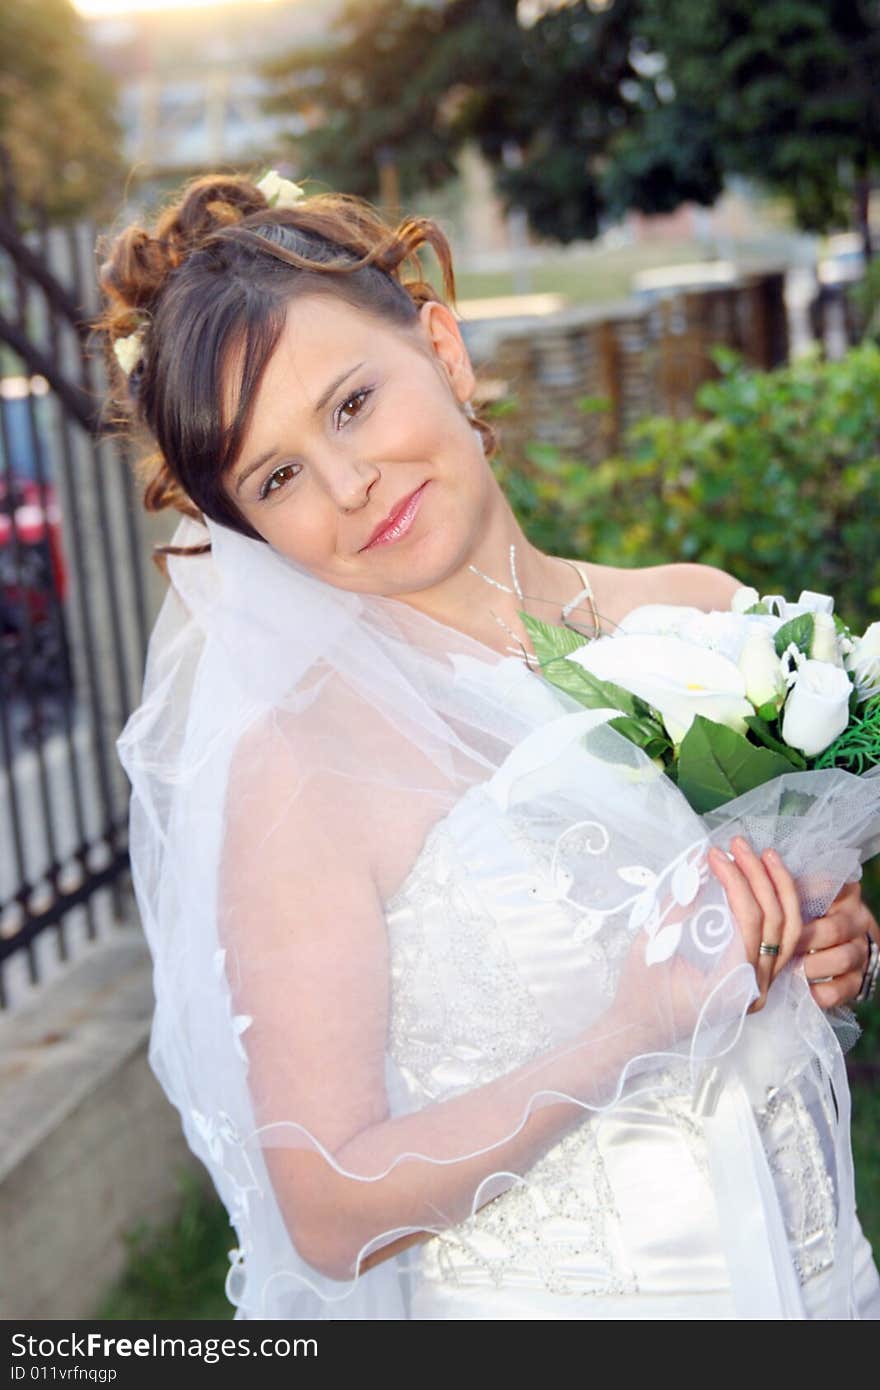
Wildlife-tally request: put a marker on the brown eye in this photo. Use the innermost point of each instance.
(265, 490)
(358, 396)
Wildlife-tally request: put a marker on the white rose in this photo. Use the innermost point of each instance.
(825, 645)
(279, 192)
(761, 668)
(863, 661)
(679, 679)
(744, 598)
(817, 708)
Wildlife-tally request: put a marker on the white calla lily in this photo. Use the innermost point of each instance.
(679, 679)
(717, 631)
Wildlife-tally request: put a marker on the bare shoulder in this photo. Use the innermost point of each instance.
(619, 589)
(698, 585)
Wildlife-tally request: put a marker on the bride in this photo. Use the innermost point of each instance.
(397, 889)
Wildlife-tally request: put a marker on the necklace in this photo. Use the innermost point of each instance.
(585, 592)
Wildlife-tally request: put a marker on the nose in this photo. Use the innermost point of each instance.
(349, 482)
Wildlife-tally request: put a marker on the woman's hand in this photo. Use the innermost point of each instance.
(836, 948)
(763, 898)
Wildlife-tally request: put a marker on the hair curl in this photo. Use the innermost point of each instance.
(220, 267)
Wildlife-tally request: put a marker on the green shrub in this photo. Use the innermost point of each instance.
(776, 477)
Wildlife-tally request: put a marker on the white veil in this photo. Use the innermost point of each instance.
(296, 748)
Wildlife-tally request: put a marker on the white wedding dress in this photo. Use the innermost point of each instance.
(619, 1219)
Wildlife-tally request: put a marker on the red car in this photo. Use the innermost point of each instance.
(33, 586)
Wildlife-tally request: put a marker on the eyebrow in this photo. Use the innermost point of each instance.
(319, 406)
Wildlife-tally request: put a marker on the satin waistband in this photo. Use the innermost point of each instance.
(435, 1301)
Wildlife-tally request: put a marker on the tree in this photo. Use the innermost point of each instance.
(785, 93)
(57, 108)
(415, 81)
(586, 113)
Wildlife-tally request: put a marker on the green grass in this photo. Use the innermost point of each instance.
(176, 1271)
(590, 276)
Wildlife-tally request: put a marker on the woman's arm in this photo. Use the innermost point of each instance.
(332, 1216)
(307, 954)
(304, 925)
(301, 915)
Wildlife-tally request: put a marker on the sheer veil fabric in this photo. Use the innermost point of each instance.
(296, 747)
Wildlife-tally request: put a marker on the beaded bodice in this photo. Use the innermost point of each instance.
(623, 1203)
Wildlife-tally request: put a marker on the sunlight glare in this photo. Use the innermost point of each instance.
(100, 9)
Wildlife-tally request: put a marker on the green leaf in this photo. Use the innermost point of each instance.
(798, 630)
(795, 803)
(552, 644)
(584, 686)
(759, 607)
(716, 764)
(551, 640)
(763, 731)
(767, 712)
(644, 733)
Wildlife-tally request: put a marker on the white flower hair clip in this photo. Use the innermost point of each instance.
(280, 192)
(129, 349)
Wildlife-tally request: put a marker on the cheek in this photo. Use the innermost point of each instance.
(306, 533)
(421, 432)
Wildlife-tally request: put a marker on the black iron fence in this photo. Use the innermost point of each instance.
(73, 611)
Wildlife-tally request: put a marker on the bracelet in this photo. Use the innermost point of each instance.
(872, 970)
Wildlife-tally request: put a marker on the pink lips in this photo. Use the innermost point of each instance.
(400, 522)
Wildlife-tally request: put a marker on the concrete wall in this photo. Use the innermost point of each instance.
(89, 1144)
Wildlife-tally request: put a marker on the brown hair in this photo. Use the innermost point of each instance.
(220, 267)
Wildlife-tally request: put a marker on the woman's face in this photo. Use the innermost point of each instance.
(354, 414)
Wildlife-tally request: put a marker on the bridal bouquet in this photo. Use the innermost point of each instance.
(766, 717)
(724, 702)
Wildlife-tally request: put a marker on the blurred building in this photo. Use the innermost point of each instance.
(189, 83)
(190, 99)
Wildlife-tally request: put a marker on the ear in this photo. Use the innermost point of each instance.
(442, 335)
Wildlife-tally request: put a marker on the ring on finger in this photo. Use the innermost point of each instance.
(768, 948)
